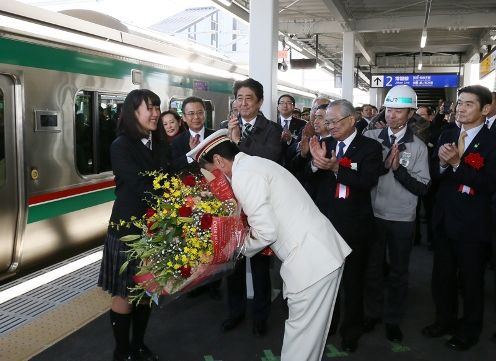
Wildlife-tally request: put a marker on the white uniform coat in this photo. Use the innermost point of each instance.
(282, 215)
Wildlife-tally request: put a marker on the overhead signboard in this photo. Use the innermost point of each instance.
(487, 65)
(414, 80)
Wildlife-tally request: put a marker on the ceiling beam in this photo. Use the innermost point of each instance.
(346, 21)
(457, 21)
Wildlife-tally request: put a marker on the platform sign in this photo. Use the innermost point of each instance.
(415, 80)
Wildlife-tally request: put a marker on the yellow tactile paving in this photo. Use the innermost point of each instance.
(52, 326)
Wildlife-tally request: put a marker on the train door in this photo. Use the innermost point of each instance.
(9, 207)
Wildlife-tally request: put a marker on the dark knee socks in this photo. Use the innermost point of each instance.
(140, 316)
(120, 326)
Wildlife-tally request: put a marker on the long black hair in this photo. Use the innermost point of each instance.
(127, 123)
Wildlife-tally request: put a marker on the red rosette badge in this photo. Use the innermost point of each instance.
(345, 162)
(189, 181)
(474, 160)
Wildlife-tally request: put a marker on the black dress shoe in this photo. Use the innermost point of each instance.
(459, 344)
(437, 330)
(369, 323)
(232, 322)
(259, 328)
(143, 353)
(393, 332)
(122, 357)
(349, 345)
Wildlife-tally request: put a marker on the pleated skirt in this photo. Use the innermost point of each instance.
(114, 256)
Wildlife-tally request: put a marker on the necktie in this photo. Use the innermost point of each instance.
(247, 127)
(286, 124)
(149, 143)
(393, 139)
(197, 137)
(341, 146)
(461, 143)
(487, 123)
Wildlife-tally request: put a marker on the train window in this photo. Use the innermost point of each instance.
(2, 141)
(95, 126)
(177, 104)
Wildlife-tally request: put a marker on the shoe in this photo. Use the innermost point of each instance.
(232, 322)
(436, 330)
(459, 344)
(259, 328)
(369, 323)
(349, 345)
(120, 357)
(393, 332)
(143, 353)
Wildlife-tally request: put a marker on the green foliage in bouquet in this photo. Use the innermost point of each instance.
(176, 235)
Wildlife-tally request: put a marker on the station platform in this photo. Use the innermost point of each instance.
(77, 326)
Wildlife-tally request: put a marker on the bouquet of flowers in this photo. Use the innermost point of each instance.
(191, 233)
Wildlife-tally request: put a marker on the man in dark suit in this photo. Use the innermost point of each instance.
(465, 163)
(258, 136)
(347, 165)
(193, 110)
(365, 118)
(291, 127)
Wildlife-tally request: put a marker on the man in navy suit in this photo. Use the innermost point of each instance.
(193, 110)
(255, 135)
(291, 126)
(465, 163)
(347, 166)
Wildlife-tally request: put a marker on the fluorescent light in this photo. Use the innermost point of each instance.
(50, 276)
(294, 46)
(419, 67)
(225, 2)
(423, 39)
(295, 91)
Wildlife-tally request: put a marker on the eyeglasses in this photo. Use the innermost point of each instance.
(192, 114)
(335, 122)
(285, 103)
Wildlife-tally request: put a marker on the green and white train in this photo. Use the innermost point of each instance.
(62, 81)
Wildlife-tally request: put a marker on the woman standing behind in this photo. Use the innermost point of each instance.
(138, 148)
(172, 123)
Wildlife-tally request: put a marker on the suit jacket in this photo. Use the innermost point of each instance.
(361, 125)
(282, 215)
(346, 213)
(264, 140)
(179, 148)
(130, 158)
(288, 150)
(466, 216)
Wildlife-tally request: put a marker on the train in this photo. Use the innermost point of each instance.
(62, 81)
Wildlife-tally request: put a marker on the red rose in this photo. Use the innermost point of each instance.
(206, 221)
(185, 211)
(189, 180)
(150, 212)
(345, 162)
(474, 160)
(185, 271)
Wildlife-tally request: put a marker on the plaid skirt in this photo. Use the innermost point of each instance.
(114, 256)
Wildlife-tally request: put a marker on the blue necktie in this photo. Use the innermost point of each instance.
(341, 146)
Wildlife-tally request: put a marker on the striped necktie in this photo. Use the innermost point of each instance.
(247, 128)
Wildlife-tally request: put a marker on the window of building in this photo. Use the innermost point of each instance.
(234, 34)
(214, 27)
(96, 117)
(192, 32)
(2, 141)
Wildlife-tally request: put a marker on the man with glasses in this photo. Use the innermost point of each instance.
(404, 177)
(193, 109)
(291, 126)
(344, 168)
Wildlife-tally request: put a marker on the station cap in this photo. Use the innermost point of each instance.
(401, 96)
(208, 144)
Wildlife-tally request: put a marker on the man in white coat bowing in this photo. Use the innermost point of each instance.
(282, 215)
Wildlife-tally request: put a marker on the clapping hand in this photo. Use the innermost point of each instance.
(448, 154)
(320, 160)
(393, 160)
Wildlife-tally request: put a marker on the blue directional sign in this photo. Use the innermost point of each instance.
(415, 80)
